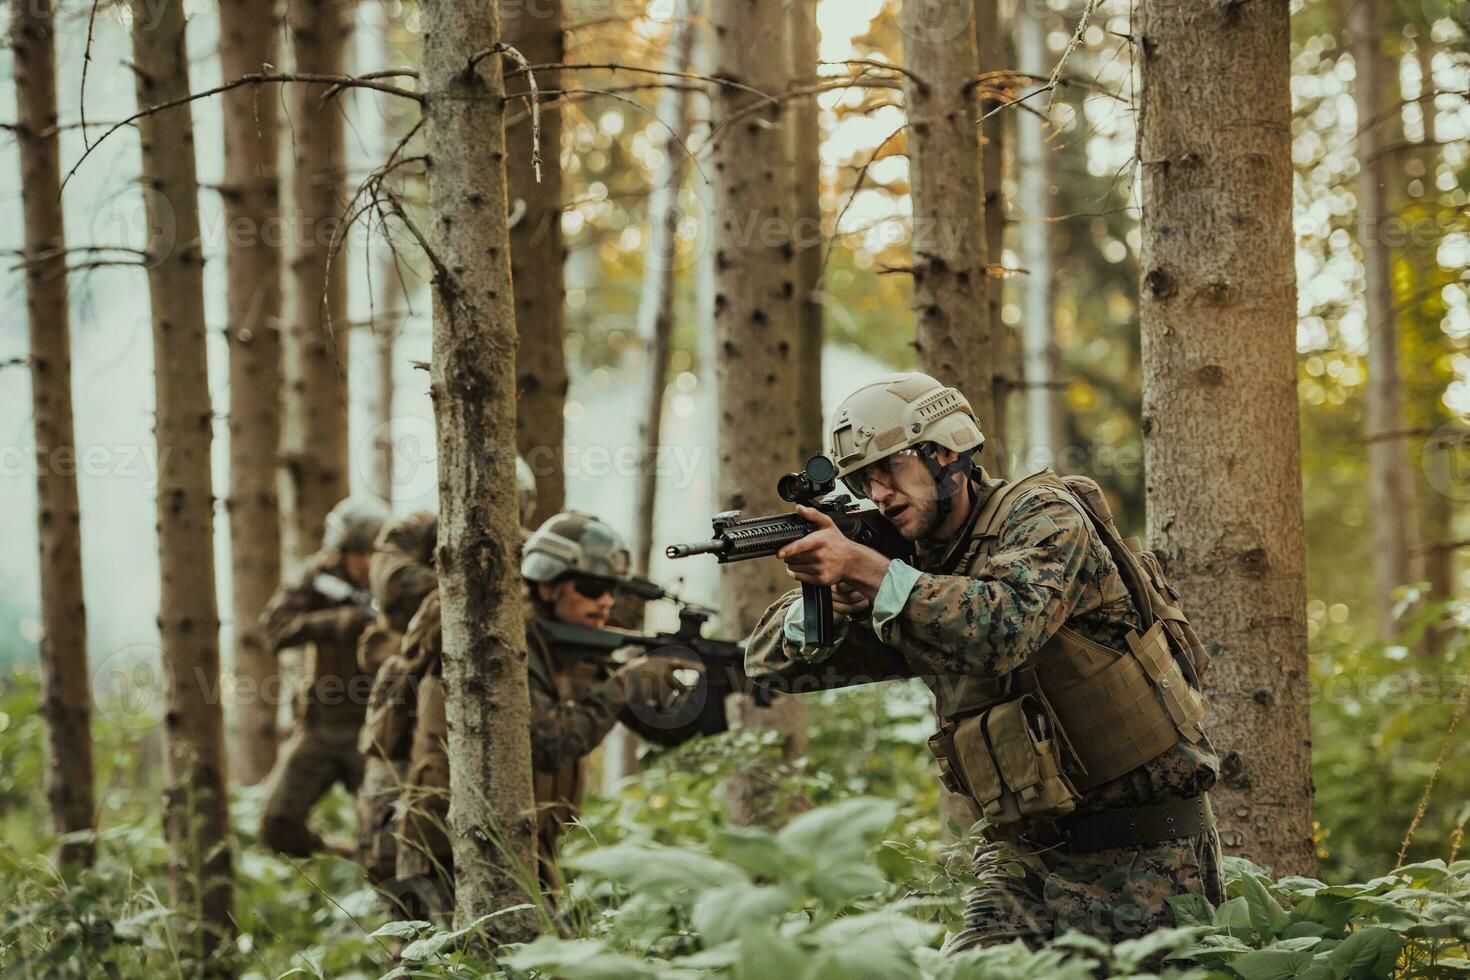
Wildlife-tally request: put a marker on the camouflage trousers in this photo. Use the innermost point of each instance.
(314, 759)
(1118, 894)
(377, 816)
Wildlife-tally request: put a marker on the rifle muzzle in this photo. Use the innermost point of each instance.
(712, 547)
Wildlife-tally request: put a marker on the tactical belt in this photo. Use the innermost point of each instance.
(1129, 828)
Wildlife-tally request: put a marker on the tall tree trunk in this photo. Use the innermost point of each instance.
(195, 817)
(1218, 311)
(251, 196)
(537, 256)
(951, 291)
(66, 697)
(389, 315)
(990, 45)
(474, 394)
(1390, 478)
(755, 323)
(1038, 319)
(315, 438)
(656, 305)
(806, 143)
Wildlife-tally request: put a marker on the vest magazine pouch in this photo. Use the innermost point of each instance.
(1185, 705)
(978, 774)
(388, 724)
(1026, 746)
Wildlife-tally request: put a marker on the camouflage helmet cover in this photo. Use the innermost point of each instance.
(526, 487)
(574, 542)
(896, 412)
(353, 525)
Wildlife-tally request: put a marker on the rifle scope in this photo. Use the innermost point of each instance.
(817, 478)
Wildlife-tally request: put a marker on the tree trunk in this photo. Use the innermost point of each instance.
(1038, 319)
(806, 144)
(951, 291)
(537, 256)
(315, 439)
(755, 323)
(66, 698)
(195, 818)
(1220, 425)
(474, 395)
(251, 195)
(389, 313)
(990, 45)
(656, 306)
(1390, 477)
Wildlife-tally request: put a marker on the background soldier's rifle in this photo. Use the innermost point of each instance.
(699, 710)
(739, 538)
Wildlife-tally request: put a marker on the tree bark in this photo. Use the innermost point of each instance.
(656, 306)
(806, 144)
(195, 817)
(755, 324)
(1038, 319)
(66, 699)
(990, 46)
(1390, 476)
(473, 390)
(537, 256)
(315, 343)
(251, 195)
(1220, 423)
(951, 292)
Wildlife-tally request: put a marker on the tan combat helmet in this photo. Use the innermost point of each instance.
(897, 412)
(572, 542)
(526, 487)
(353, 525)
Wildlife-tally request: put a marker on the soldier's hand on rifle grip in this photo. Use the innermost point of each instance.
(849, 601)
(827, 557)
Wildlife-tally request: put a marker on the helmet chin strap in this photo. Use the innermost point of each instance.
(944, 489)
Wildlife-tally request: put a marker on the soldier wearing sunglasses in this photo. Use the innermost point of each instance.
(573, 566)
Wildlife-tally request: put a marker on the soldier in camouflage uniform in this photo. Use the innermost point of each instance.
(572, 565)
(402, 578)
(1022, 611)
(324, 609)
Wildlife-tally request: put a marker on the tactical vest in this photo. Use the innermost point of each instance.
(1077, 714)
(559, 791)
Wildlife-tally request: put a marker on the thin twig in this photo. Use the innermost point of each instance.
(87, 60)
(254, 78)
(857, 186)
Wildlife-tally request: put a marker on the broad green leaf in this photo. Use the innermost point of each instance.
(575, 959)
(1266, 915)
(1234, 918)
(1366, 954)
(753, 849)
(884, 926)
(1131, 954)
(1272, 964)
(657, 869)
(764, 954)
(723, 913)
(401, 929)
(838, 833)
(1192, 909)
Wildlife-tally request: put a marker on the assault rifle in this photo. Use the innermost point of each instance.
(701, 709)
(739, 538)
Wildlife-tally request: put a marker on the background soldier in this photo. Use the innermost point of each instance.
(572, 566)
(1064, 672)
(325, 609)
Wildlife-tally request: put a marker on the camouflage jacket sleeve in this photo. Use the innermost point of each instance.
(778, 654)
(299, 614)
(990, 621)
(564, 730)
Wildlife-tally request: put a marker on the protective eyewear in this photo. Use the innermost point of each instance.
(592, 587)
(877, 473)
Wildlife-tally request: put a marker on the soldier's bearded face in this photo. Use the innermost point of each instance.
(570, 606)
(908, 500)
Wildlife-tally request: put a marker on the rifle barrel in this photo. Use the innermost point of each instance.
(712, 547)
